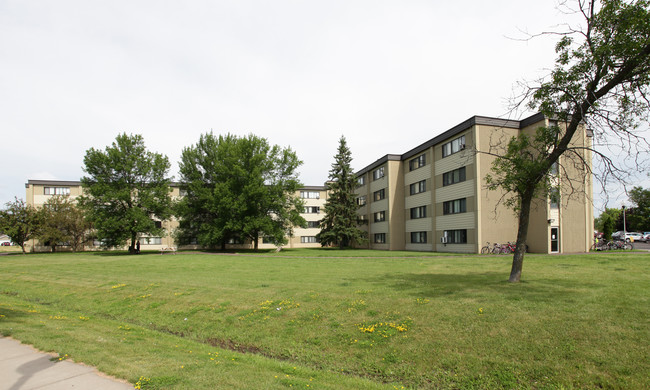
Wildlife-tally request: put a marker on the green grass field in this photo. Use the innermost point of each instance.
(328, 319)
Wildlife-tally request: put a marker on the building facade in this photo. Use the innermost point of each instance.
(38, 192)
(435, 198)
(432, 198)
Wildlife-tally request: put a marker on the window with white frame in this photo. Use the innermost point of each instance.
(417, 162)
(418, 187)
(57, 191)
(310, 194)
(418, 237)
(453, 146)
(378, 173)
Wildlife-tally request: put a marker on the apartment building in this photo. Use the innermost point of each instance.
(434, 196)
(37, 193)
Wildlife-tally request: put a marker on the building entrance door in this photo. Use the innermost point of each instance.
(555, 239)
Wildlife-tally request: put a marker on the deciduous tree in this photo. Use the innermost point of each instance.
(238, 188)
(340, 225)
(62, 222)
(126, 191)
(600, 80)
(20, 221)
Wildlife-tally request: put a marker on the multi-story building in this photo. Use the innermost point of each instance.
(432, 198)
(435, 198)
(39, 191)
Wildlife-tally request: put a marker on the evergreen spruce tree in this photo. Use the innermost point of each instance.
(340, 225)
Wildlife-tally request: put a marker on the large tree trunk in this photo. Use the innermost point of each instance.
(522, 236)
(256, 239)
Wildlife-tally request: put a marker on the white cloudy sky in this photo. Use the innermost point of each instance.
(388, 75)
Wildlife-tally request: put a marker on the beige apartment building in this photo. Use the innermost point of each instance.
(431, 198)
(434, 197)
(39, 191)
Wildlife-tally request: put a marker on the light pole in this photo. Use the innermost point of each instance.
(624, 229)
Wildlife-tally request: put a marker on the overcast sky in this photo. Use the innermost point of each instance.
(388, 75)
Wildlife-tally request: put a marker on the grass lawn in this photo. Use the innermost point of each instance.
(329, 319)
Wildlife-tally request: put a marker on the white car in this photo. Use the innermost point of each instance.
(629, 236)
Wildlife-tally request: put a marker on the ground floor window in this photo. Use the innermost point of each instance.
(455, 236)
(418, 237)
(380, 238)
(308, 239)
(151, 240)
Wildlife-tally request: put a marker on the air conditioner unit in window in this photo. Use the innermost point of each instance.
(462, 147)
(443, 240)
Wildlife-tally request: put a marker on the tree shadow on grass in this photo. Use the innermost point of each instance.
(472, 284)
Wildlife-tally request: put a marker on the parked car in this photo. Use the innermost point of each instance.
(646, 236)
(629, 236)
(6, 243)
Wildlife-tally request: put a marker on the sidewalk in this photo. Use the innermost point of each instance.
(22, 367)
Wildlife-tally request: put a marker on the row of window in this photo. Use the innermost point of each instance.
(57, 190)
(310, 194)
(458, 236)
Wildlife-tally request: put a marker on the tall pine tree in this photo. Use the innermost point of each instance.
(340, 225)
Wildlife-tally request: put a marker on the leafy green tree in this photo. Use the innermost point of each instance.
(600, 81)
(125, 191)
(237, 188)
(20, 221)
(340, 224)
(62, 222)
(606, 222)
(639, 216)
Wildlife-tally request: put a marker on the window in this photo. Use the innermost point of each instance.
(158, 224)
(151, 241)
(313, 224)
(454, 206)
(57, 191)
(418, 187)
(418, 237)
(455, 236)
(554, 197)
(182, 192)
(308, 239)
(361, 201)
(378, 173)
(417, 162)
(268, 240)
(379, 195)
(380, 238)
(361, 219)
(453, 177)
(235, 241)
(361, 181)
(453, 146)
(380, 216)
(310, 194)
(419, 212)
(312, 209)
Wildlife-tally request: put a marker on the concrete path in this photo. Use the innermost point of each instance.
(22, 367)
